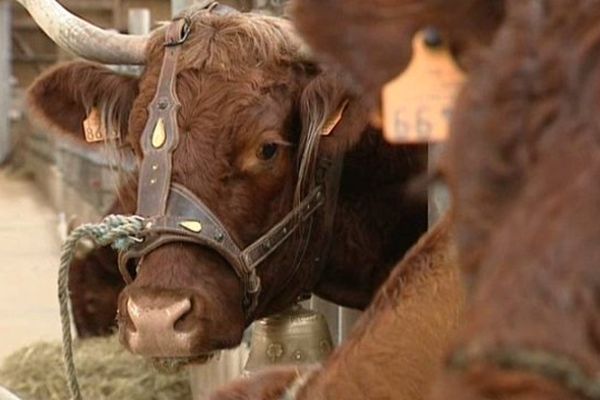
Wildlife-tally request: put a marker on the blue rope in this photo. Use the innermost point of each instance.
(120, 232)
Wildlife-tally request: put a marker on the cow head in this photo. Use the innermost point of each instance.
(248, 96)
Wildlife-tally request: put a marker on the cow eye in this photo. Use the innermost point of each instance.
(267, 151)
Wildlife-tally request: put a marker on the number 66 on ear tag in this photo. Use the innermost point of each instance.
(417, 105)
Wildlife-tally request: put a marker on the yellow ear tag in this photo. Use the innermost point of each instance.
(334, 120)
(417, 105)
(192, 226)
(159, 136)
(92, 128)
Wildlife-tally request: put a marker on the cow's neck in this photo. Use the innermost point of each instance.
(423, 299)
(377, 220)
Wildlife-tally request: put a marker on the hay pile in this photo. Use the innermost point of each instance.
(106, 371)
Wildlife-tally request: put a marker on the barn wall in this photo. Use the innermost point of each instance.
(34, 52)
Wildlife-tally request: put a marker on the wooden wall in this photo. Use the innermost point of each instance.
(33, 51)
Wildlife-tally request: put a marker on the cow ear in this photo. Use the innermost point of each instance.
(329, 108)
(64, 97)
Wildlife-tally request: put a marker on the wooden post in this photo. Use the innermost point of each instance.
(139, 21)
(5, 79)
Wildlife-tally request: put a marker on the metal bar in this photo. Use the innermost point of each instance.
(439, 198)
(346, 319)
(5, 79)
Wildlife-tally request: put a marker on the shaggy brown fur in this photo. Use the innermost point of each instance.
(396, 350)
(243, 83)
(527, 199)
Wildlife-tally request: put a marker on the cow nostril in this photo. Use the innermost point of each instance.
(185, 322)
(157, 315)
(128, 316)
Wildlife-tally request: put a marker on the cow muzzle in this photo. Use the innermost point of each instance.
(159, 326)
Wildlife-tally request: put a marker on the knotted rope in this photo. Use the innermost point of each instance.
(116, 230)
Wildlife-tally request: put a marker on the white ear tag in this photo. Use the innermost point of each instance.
(334, 120)
(92, 127)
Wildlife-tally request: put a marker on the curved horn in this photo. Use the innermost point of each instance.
(83, 38)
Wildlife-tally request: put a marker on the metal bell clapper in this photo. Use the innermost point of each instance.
(295, 336)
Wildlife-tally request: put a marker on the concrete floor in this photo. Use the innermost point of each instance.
(29, 253)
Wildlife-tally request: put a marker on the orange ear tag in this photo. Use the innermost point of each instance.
(92, 127)
(417, 105)
(334, 120)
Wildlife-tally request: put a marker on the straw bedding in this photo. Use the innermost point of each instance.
(106, 371)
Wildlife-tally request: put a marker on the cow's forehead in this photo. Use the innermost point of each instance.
(236, 75)
(235, 41)
(225, 112)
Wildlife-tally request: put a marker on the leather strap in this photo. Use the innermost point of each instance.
(331, 175)
(188, 219)
(263, 247)
(161, 134)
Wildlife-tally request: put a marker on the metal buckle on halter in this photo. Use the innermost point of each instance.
(184, 34)
(187, 25)
(254, 283)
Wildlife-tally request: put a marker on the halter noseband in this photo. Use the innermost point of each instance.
(175, 214)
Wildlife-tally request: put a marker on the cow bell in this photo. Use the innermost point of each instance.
(295, 336)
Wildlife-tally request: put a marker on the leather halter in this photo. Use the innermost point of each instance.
(175, 214)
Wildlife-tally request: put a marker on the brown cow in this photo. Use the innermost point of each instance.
(248, 96)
